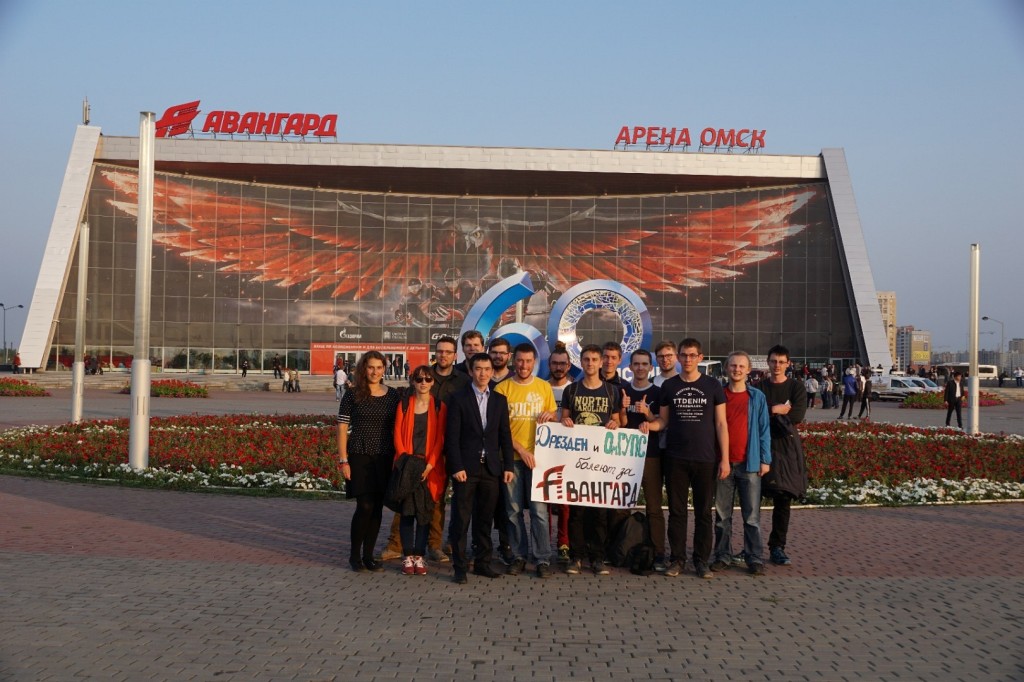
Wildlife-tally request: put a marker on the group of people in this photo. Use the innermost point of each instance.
(471, 425)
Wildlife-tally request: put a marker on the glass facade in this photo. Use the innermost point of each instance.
(249, 271)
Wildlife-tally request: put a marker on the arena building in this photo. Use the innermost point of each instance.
(310, 250)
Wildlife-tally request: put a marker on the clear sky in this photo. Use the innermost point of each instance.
(926, 97)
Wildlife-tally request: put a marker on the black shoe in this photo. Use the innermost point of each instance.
(719, 565)
(755, 569)
(779, 558)
(507, 557)
(516, 567)
(373, 565)
(357, 566)
(702, 570)
(486, 571)
(460, 578)
(543, 571)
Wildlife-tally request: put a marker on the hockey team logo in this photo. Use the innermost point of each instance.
(177, 119)
(552, 478)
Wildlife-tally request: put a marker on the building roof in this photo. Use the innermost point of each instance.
(457, 171)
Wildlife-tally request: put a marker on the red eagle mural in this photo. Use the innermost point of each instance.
(304, 244)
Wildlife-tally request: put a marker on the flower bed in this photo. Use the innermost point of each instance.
(172, 388)
(934, 401)
(193, 451)
(847, 463)
(894, 454)
(19, 388)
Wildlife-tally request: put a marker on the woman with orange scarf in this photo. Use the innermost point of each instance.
(419, 431)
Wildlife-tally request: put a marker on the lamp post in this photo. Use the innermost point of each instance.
(1002, 337)
(6, 308)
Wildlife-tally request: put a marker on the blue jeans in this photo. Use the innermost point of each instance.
(748, 485)
(517, 500)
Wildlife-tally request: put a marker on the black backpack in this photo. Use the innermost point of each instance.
(632, 547)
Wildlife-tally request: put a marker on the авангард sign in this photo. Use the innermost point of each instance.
(588, 465)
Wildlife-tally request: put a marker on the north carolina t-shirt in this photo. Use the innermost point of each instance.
(591, 406)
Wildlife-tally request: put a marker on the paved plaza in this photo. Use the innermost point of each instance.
(109, 583)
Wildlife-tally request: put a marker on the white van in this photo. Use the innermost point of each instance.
(889, 387)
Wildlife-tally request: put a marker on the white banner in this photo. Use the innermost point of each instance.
(588, 465)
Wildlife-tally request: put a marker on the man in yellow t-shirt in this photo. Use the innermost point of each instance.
(530, 402)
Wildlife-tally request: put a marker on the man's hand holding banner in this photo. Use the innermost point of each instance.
(588, 465)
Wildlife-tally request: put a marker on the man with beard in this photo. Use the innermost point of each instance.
(558, 368)
(530, 402)
(500, 351)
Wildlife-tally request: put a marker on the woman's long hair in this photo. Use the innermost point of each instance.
(362, 384)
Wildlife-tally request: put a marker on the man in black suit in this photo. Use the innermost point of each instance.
(478, 454)
(953, 398)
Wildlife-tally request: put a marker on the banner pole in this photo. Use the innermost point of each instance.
(138, 444)
(78, 373)
(973, 401)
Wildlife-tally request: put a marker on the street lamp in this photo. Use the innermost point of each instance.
(6, 308)
(1002, 337)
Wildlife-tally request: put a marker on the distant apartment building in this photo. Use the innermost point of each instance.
(913, 346)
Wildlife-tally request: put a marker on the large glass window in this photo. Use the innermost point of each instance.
(251, 271)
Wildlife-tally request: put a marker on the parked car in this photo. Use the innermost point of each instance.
(927, 385)
(889, 387)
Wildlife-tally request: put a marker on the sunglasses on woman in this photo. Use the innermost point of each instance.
(424, 380)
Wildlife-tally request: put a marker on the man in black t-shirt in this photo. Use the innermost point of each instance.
(645, 405)
(789, 397)
(693, 412)
(594, 402)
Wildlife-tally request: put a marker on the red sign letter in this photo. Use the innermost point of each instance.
(328, 126)
(213, 121)
(177, 119)
(230, 124)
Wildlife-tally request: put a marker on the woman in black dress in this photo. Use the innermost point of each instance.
(366, 427)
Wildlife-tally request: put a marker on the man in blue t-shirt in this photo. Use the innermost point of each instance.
(696, 453)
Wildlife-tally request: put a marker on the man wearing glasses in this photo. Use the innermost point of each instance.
(500, 351)
(694, 415)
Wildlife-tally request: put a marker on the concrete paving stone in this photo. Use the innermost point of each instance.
(831, 615)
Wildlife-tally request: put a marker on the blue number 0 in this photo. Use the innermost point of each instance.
(595, 294)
